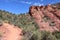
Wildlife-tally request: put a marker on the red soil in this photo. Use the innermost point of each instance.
(10, 32)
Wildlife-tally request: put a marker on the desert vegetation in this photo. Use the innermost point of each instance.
(30, 28)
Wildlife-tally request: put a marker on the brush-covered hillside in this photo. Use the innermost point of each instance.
(19, 20)
(26, 23)
(23, 21)
(30, 29)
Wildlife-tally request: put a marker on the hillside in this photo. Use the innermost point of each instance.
(37, 24)
(20, 20)
(23, 21)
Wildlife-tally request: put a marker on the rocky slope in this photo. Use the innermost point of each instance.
(47, 17)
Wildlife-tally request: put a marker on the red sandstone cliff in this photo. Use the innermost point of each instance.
(47, 17)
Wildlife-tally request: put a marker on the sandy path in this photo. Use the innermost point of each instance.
(10, 32)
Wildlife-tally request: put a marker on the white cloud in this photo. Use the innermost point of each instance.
(26, 2)
(35, 3)
(38, 4)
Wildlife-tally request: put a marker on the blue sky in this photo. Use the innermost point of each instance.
(22, 6)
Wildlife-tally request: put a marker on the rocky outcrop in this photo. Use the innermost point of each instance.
(57, 5)
(47, 17)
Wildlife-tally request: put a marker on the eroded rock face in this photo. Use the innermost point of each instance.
(47, 17)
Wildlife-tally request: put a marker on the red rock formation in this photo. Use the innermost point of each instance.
(39, 13)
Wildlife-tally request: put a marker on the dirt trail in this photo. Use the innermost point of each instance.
(10, 32)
